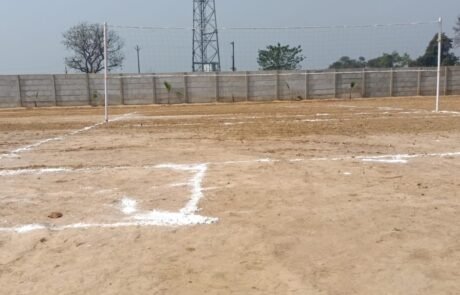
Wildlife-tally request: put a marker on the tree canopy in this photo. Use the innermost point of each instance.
(280, 57)
(345, 62)
(396, 60)
(457, 33)
(430, 58)
(386, 60)
(390, 60)
(87, 43)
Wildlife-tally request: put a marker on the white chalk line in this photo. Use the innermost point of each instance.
(320, 120)
(195, 183)
(185, 217)
(448, 112)
(18, 172)
(390, 158)
(55, 170)
(128, 206)
(381, 114)
(390, 109)
(294, 120)
(15, 153)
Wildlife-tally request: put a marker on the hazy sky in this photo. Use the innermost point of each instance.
(31, 30)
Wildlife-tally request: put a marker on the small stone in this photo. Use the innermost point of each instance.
(55, 215)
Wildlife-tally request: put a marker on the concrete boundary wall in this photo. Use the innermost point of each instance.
(88, 89)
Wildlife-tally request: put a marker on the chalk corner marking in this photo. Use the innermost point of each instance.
(184, 217)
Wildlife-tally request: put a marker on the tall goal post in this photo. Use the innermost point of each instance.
(438, 86)
(106, 75)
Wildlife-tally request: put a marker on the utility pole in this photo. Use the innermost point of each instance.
(138, 49)
(233, 56)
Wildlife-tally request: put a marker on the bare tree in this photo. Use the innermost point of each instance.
(87, 43)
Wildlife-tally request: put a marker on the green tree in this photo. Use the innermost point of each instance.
(87, 43)
(457, 33)
(390, 60)
(345, 62)
(430, 58)
(280, 57)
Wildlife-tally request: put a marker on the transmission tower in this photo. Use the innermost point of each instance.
(206, 55)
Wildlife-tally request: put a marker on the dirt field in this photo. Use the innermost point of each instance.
(330, 197)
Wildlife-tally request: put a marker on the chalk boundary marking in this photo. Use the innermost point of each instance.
(184, 217)
(15, 153)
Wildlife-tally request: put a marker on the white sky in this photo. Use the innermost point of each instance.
(31, 30)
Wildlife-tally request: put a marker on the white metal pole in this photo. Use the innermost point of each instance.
(438, 86)
(106, 76)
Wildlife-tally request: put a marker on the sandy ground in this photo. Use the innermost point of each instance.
(330, 197)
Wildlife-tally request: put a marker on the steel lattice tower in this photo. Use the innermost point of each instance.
(206, 55)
